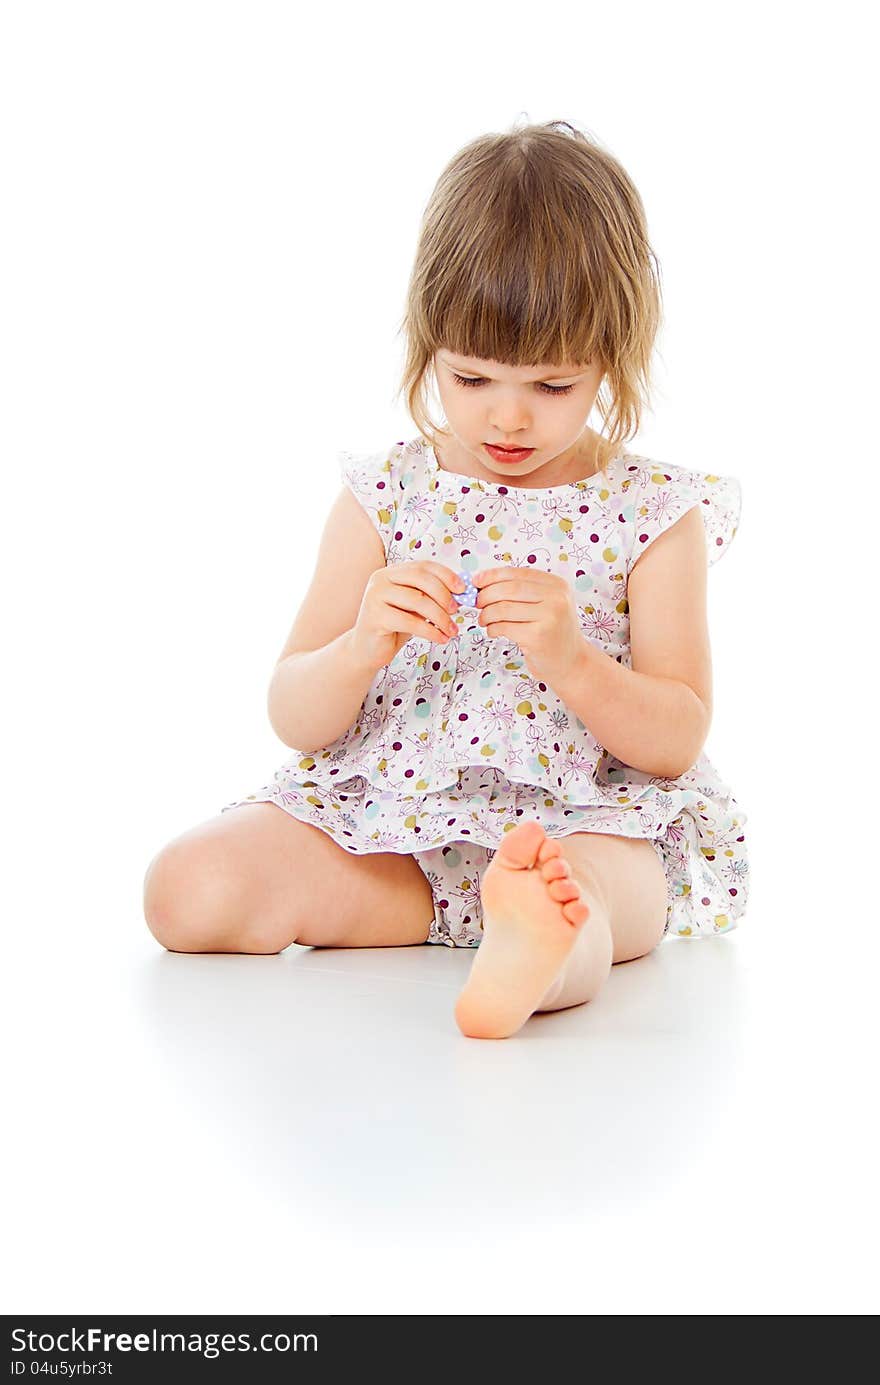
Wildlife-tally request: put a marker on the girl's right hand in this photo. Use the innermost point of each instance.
(402, 600)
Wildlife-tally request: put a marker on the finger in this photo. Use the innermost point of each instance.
(449, 578)
(428, 594)
(506, 610)
(413, 601)
(517, 631)
(495, 574)
(448, 575)
(412, 624)
(521, 590)
(434, 578)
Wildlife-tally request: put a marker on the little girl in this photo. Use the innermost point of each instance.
(498, 686)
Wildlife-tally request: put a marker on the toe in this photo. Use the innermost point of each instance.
(576, 911)
(555, 868)
(550, 850)
(520, 847)
(563, 890)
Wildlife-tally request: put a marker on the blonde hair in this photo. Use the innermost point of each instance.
(534, 249)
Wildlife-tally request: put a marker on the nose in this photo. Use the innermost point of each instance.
(509, 419)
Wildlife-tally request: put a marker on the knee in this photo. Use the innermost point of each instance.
(193, 903)
(185, 904)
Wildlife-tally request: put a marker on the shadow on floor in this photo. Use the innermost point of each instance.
(342, 1078)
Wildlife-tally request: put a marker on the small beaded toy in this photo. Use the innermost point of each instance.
(469, 596)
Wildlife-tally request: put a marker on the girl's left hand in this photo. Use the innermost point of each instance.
(537, 610)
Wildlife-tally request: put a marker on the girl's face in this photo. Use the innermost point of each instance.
(543, 407)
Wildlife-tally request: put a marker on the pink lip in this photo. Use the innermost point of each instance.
(508, 454)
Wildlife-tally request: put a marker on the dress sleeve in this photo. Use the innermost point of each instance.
(371, 478)
(669, 492)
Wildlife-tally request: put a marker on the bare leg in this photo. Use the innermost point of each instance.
(256, 879)
(624, 884)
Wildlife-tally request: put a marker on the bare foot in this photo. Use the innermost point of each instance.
(532, 913)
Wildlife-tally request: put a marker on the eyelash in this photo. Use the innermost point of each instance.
(478, 380)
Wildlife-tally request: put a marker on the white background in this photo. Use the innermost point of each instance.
(209, 218)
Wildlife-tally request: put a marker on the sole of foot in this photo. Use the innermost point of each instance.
(532, 913)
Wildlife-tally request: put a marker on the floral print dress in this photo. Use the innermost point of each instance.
(455, 744)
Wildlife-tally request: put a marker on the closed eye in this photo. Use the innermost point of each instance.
(479, 380)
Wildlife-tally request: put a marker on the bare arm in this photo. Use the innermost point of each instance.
(328, 662)
(318, 685)
(656, 715)
(654, 724)
(316, 694)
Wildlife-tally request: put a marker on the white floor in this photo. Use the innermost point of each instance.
(310, 1132)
